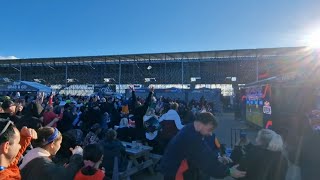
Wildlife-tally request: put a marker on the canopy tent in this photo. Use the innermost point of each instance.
(25, 86)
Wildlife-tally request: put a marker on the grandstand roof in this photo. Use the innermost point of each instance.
(153, 57)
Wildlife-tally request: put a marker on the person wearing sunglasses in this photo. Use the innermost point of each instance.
(12, 145)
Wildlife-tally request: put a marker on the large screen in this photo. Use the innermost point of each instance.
(258, 105)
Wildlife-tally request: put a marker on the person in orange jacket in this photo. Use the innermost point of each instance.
(12, 145)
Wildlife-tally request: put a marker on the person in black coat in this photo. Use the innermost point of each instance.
(139, 111)
(112, 148)
(68, 117)
(32, 117)
(265, 161)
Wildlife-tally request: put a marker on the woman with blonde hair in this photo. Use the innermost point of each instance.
(265, 160)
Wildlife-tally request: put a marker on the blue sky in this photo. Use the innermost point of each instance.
(44, 28)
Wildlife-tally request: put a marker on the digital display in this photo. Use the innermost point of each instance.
(258, 106)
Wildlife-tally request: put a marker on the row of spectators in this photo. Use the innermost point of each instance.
(63, 123)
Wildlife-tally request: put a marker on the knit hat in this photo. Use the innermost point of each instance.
(7, 104)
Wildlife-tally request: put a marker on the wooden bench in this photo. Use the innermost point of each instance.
(151, 163)
(133, 170)
(146, 160)
(155, 157)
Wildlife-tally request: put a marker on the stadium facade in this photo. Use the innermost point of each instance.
(184, 68)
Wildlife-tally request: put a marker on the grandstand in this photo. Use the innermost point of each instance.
(213, 67)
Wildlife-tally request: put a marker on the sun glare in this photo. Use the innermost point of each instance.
(313, 39)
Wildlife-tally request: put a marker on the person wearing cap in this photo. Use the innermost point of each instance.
(9, 109)
(12, 145)
(47, 145)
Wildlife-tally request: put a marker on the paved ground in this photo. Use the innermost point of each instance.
(226, 122)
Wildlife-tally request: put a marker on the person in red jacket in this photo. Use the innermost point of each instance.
(12, 145)
(92, 158)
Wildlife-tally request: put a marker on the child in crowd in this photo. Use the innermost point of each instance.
(92, 158)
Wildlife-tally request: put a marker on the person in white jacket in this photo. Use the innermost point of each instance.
(170, 125)
(172, 114)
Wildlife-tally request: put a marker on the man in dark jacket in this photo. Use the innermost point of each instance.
(189, 145)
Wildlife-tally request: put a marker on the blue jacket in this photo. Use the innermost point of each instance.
(190, 145)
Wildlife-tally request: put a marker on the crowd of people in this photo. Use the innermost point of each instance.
(64, 137)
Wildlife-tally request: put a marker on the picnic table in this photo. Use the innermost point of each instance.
(140, 158)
